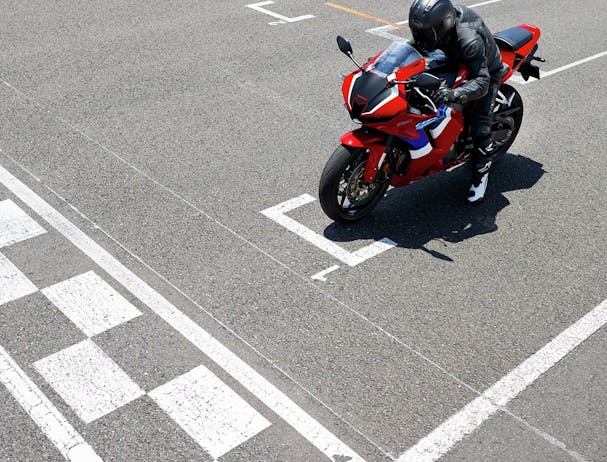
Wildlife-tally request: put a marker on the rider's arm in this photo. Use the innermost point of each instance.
(473, 52)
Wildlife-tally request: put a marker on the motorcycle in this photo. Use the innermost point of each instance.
(404, 136)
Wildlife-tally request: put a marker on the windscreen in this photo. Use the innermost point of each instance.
(395, 57)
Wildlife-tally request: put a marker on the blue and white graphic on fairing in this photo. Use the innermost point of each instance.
(439, 127)
(418, 147)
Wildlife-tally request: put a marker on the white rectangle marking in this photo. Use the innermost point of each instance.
(16, 225)
(257, 6)
(13, 283)
(384, 32)
(472, 416)
(277, 214)
(46, 416)
(88, 380)
(211, 413)
(91, 303)
(325, 441)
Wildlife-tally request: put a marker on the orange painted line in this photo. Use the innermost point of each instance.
(363, 15)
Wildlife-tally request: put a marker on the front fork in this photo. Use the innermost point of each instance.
(379, 161)
(376, 145)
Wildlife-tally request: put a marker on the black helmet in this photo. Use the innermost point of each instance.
(431, 21)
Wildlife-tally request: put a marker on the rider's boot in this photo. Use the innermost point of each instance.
(480, 171)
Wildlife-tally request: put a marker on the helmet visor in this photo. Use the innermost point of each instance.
(426, 38)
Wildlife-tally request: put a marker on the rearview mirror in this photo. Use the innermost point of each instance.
(344, 45)
(428, 81)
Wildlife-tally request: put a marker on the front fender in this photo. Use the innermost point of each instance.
(362, 138)
(374, 142)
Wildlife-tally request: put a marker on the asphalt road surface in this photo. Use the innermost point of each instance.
(150, 312)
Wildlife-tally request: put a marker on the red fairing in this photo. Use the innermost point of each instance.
(444, 135)
(346, 88)
(412, 69)
(361, 138)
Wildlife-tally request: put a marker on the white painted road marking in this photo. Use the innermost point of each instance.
(46, 416)
(91, 303)
(267, 393)
(321, 276)
(543, 74)
(211, 413)
(13, 283)
(16, 225)
(472, 416)
(88, 380)
(283, 19)
(277, 214)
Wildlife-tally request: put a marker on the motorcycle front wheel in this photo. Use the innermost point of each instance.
(343, 194)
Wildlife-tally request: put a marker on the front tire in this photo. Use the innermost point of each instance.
(343, 195)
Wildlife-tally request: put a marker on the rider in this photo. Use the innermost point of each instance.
(464, 38)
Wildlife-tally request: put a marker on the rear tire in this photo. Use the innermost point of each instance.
(505, 126)
(343, 195)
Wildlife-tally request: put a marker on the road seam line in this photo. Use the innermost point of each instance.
(546, 436)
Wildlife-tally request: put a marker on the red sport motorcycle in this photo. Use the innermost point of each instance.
(404, 136)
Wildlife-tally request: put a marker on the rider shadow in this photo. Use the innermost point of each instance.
(436, 208)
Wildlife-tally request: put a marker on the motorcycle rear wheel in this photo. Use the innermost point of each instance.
(343, 195)
(507, 120)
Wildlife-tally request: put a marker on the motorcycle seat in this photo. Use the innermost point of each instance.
(512, 39)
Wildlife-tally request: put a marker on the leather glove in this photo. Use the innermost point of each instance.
(444, 95)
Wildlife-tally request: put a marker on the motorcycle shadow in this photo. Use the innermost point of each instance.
(436, 208)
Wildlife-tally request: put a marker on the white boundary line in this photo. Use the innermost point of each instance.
(472, 416)
(254, 382)
(57, 429)
(518, 79)
(576, 63)
(277, 214)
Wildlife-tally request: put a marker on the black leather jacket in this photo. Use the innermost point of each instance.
(472, 43)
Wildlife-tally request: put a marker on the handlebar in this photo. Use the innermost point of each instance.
(392, 83)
